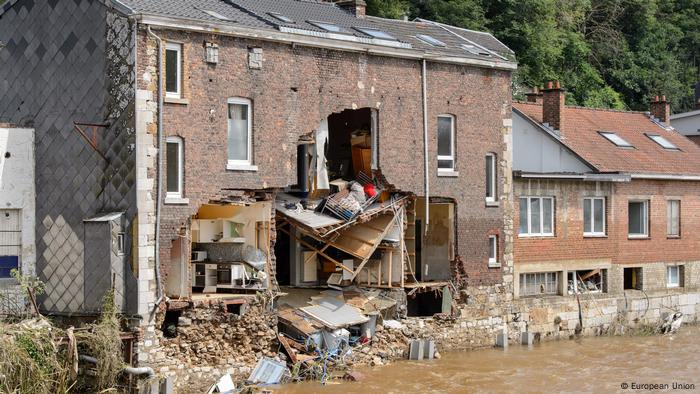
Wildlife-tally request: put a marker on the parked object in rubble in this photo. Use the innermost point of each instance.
(421, 349)
(224, 385)
(672, 323)
(269, 371)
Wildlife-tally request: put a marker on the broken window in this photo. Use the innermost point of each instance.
(422, 304)
(491, 177)
(539, 283)
(587, 281)
(446, 143)
(536, 216)
(173, 70)
(673, 219)
(632, 277)
(594, 216)
(174, 167)
(170, 323)
(638, 219)
(10, 241)
(240, 129)
(493, 251)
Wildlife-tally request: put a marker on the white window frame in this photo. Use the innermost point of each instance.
(547, 276)
(529, 221)
(493, 197)
(451, 157)
(493, 251)
(180, 167)
(246, 164)
(669, 283)
(669, 218)
(591, 201)
(646, 220)
(173, 46)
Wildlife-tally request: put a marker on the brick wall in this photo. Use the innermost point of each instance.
(297, 87)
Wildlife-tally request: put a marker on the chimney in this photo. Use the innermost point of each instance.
(535, 96)
(660, 109)
(356, 7)
(553, 98)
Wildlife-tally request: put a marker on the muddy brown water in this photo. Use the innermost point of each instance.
(599, 364)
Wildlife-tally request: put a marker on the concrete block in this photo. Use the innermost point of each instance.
(416, 350)
(502, 339)
(527, 338)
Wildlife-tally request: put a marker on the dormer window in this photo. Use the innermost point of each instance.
(374, 33)
(329, 27)
(430, 40)
(666, 144)
(616, 139)
(281, 18)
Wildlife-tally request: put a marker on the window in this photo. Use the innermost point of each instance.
(174, 169)
(493, 251)
(536, 216)
(216, 15)
(446, 143)
(430, 40)
(328, 27)
(376, 33)
(616, 139)
(491, 177)
(638, 219)
(666, 144)
(673, 221)
(121, 244)
(282, 18)
(673, 276)
(540, 283)
(632, 277)
(474, 50)
(10, 241)
(594, 216)
(240, 128)
(587, 281)
(173, 70)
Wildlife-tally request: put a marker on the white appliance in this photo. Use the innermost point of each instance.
(199, 255)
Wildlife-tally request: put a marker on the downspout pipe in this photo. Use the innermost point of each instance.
(424, 77)
(127, 370)
(159, 176)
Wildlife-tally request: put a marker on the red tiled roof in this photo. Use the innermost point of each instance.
(579, 131)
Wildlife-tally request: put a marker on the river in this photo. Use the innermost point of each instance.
(597, 364)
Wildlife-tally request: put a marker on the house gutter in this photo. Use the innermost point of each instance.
(603, 177)
(313, 41)
(666, 177)
(424, 77)
(159, 188)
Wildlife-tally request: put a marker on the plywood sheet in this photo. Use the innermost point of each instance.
(362, 239)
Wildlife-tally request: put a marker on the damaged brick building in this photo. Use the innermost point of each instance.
(259, 147)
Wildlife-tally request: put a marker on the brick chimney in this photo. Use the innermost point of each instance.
(660, 109)
(553, 97)
(535, 96)
(357, 7)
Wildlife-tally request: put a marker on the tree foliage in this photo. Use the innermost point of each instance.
(607, 53)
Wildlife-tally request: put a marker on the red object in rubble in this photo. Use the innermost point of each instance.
(370, 190)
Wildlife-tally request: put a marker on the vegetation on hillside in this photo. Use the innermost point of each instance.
(607, 53)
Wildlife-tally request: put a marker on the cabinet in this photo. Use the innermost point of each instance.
(217, 230)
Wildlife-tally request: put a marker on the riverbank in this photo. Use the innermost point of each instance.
(586, 364)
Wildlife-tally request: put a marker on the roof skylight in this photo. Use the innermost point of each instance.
(328, 27)
(474, 50)
(430, 40)
(281, 17)
(376, 33)
(616, 139)
(666, 144)
(216, 15)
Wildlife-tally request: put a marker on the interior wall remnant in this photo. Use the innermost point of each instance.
(322, 181)
(176, 285)
(437, 244)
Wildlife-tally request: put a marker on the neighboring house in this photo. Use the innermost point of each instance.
(606, 201)
(688, 123)
(181, 146)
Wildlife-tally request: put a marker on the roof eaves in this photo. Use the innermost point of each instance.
(121, 7)
(686, 114)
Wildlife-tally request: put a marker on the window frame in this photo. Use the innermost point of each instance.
(493, 252)
(664, 143)
(669, 217)
(451, 157)
(529, 232)
(494, 176)
(670, 284)
(611, 137)
(546, 275)
(177, 47)
(248, 162)
(594, 233)
(180, 167)
(646, 220)
(121, 244)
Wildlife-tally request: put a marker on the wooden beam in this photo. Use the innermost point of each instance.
(306, 244)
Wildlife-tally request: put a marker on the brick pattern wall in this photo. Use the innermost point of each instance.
(297, 87)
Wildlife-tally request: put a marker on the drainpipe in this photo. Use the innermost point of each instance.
(159, 180)
(127, 370)
(424, 76)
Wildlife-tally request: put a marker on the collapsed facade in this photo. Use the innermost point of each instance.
(224, 152)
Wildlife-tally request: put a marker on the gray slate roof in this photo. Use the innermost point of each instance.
(256, 14)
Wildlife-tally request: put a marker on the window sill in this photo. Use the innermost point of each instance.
(673, 237)
(673, 286)
(241, 167)
(640, 237)
(595, 235)
(176, 100)
(535, 235)
(494, 264)
(448, 173)
(492, 203)
(176, 201)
